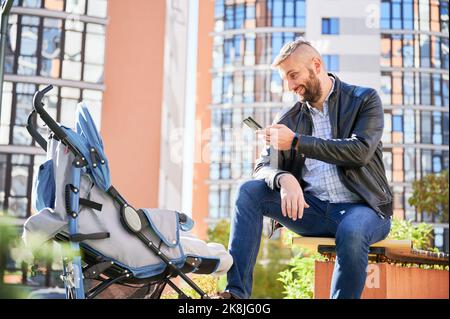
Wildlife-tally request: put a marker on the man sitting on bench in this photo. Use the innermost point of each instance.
(322, 174)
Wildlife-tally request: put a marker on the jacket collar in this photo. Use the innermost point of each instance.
(333, 105)
(336, 87)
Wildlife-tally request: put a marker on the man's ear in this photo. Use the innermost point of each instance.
(317, 65)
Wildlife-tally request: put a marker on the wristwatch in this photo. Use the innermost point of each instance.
(295, 141)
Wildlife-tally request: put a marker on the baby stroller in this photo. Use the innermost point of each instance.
(113, 243)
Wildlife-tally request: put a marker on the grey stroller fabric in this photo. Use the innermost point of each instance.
(123, 247)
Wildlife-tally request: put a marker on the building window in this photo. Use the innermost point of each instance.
(24, 101)
(387, 133)
(387, 159)
(408, 50)
(214, 201)
(414, 88)
(229, 18)
(445, 159)
(15, 184)
(289, 13)
(397, 123)
(396, 14)
(3, 165)
(330, 26)
(408, 14)
(51, 48)
(97, 8)
(409, 131)
(76, 6)
(239, 16)
(94, 53)
(410, 164)
(444, 53)
(426, 162)
(426, 128)
(444, 16)
(386, 53)
(385, 15)
(437, 128)
(300, 13)
(46, 45)
(277, 13)
(425, 89)
(250, 11)
(408, 88)
(445, 132)
(414, 51)
(420, 15)
(331, 62)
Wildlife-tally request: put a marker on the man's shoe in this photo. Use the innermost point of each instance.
(225, 295)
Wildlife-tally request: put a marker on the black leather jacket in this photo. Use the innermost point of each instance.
(357, 121)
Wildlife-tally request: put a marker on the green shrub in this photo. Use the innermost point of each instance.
(272, 259)
(421, 234)
(220, 232)
(430, 194)
(36, 257)
(298, 279)
(8, 238)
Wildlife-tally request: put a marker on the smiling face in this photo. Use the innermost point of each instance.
(304, 82)
(301, 71)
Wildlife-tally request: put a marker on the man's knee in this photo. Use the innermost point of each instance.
(351, 239)
(250, 191)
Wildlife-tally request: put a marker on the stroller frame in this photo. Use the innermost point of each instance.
(73, 273)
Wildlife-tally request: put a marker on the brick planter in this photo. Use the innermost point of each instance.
(386, 281)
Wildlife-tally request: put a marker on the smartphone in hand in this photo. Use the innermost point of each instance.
(250, 122)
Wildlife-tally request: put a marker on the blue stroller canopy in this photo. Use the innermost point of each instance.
(90, 144)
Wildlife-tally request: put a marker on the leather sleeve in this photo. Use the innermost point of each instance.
(268, 167)
(358, 149)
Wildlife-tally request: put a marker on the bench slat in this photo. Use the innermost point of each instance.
(314, 242)
(392, 249)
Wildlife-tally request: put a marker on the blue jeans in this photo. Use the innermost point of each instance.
(355, 226)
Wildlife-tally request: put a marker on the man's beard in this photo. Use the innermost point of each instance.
(312, 89)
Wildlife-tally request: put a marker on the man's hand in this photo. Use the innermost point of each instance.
(279, 136)
(292, 200)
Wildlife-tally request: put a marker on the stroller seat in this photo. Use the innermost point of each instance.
(113, 241)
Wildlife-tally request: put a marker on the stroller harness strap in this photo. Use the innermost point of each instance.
(82, 201)
(80, 237)
(91, 204)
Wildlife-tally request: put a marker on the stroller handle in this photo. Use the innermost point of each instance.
(34, 132)
(38, 108)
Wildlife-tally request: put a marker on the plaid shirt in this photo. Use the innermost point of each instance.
(323, 178)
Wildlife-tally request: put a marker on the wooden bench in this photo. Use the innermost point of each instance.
(390, 250)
